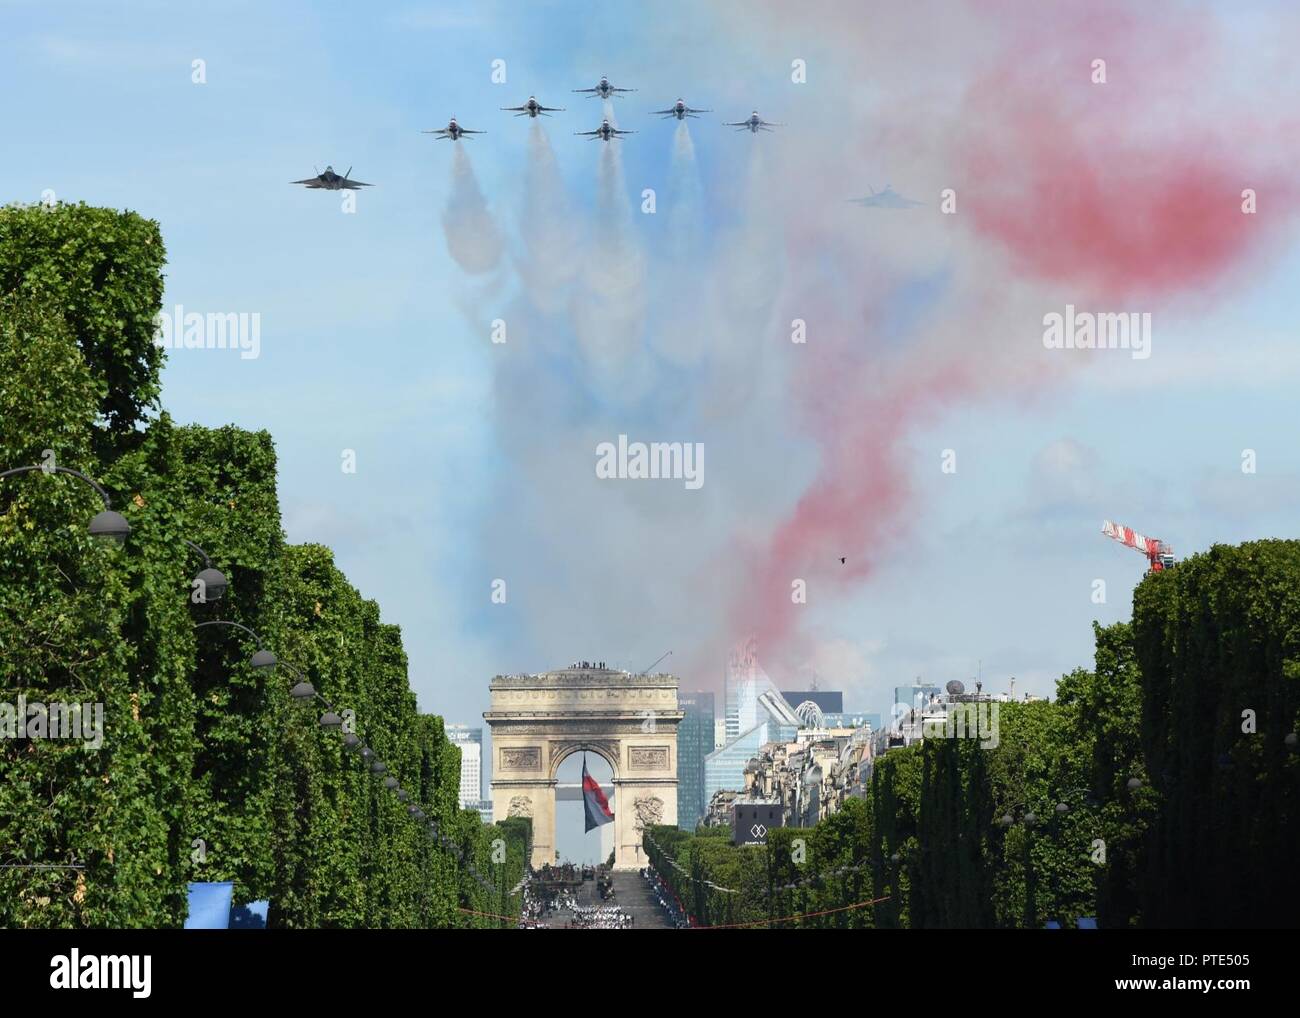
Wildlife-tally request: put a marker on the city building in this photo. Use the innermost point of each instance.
(725, 768)
(484, 808)
(852, 719)
(470, 743)
(720, 808)
(829, 701)
(695, 738)
(745, 682)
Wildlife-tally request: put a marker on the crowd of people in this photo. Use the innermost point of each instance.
(601, 917)
(547, 902)
(667, 899)
(566, 873)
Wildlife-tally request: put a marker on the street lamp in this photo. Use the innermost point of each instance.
(262, 659)
(105, 523)
(211, 582)
(303, 690)
(331, 720)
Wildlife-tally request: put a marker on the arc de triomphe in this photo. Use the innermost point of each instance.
(630, 720)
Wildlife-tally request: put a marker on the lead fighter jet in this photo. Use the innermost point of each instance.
(679, 110)
(453, 131)
(604, 89)
(604, 132)
(754, 124)
(533, 108)
(331, 181)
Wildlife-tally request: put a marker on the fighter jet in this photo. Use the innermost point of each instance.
(453, 131)
(533, 108)
(331, 181)
(604, 89)
(604, 132)
(754, 124)
(679, 110)
(886, 199)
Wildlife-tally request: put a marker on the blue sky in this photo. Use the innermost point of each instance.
(472, 458)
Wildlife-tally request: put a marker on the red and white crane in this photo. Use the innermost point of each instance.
(1159, 554)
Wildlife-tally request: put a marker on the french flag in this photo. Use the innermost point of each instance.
(597, 806)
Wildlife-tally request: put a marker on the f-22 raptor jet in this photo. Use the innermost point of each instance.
(331, 181)
(453, 131)
(679, 109)
(533, 108)
(604, 132)
(604, 89)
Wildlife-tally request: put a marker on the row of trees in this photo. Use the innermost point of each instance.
(207, 770)
(1161, 788)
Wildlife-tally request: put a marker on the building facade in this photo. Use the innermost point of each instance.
(470, 743)
(695, 737)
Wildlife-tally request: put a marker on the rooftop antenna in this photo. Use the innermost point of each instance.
(661, 657)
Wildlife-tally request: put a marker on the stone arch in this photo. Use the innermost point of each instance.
(539, 721)
(561, 750)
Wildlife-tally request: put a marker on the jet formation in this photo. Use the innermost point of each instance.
(606, 131)
(331, 181)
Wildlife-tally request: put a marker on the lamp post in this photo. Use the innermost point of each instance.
(105, 523)
(211, 583)
(262, 659)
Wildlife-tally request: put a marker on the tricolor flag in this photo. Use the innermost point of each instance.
(593, 799)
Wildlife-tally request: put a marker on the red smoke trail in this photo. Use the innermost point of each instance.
(1122, 192)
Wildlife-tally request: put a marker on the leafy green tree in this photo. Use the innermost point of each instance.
(102, 270)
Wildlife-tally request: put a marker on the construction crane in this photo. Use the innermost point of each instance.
(1159, 554)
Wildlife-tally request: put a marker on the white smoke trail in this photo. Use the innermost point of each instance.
(473, 238)
(610, 311)
(549, 229)
(681, 289)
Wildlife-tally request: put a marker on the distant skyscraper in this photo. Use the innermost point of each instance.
(695, 736)
(470, 743)
(745, 682)
(725, 768)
